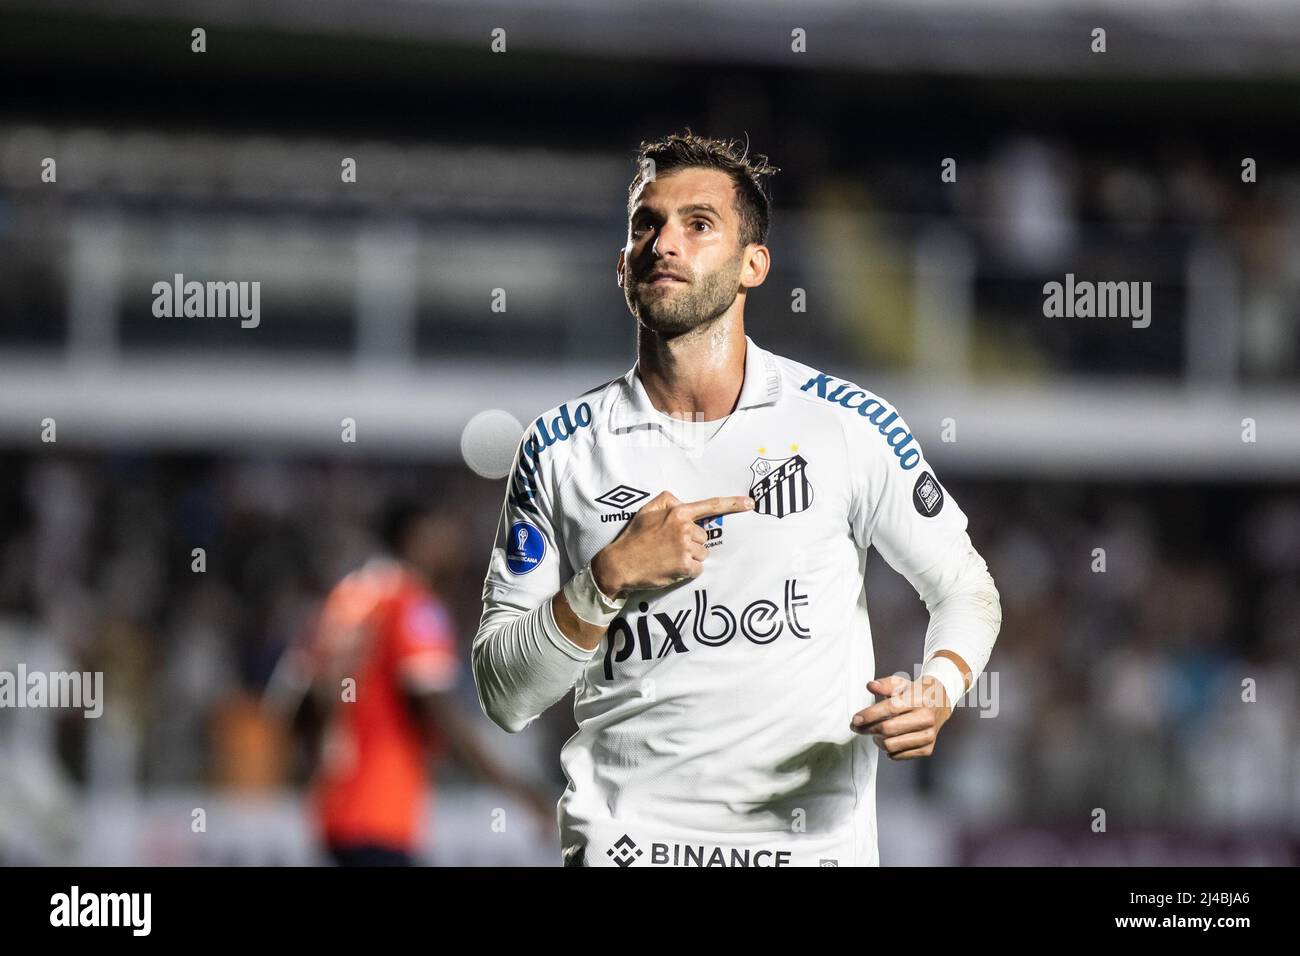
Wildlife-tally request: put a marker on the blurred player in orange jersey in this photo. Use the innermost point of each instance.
(383, 627)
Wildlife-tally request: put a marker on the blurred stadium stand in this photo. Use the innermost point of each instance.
(479, 172)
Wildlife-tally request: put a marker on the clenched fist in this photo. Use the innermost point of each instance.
(661, 545)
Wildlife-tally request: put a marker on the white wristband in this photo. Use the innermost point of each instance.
(949, 677)
(588, 602)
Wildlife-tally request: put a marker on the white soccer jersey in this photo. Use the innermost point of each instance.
(713, 720)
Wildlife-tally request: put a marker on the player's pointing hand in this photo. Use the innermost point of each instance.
(906, 723)
(661, 545)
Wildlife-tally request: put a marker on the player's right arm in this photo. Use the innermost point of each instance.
(522, 661)
(531, 645)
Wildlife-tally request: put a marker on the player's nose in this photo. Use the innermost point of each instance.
(668, 242)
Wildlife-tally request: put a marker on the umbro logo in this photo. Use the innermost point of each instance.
(625, 851)
(621, 498)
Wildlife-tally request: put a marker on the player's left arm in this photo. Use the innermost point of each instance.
(902, 510)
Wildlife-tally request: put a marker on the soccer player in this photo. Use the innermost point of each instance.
(686, 544)
(377, 676)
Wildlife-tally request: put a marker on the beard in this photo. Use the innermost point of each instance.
(680, 307)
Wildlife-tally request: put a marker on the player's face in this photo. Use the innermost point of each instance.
(683, 223)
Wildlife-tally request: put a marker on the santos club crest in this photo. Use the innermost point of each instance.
(781, 486)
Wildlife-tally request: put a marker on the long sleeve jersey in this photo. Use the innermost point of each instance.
(713, 719)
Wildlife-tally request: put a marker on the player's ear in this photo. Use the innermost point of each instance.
(618, 268)
(758, 259)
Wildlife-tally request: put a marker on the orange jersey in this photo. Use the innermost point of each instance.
(381, 627)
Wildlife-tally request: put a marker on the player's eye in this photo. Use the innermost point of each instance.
(702, 222)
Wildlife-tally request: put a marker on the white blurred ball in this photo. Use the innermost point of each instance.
(489, 441)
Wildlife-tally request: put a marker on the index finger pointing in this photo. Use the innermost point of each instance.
(725, 505)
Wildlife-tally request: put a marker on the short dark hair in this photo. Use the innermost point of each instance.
(687, 150)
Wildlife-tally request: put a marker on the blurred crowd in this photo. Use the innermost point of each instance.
(891, 239)
(896, 264)
(1148, 663)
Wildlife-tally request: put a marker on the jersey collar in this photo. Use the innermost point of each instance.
(762, 386)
